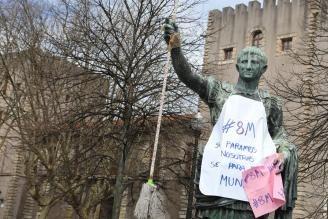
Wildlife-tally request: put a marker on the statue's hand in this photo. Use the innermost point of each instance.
(171, 34)
(280, 162)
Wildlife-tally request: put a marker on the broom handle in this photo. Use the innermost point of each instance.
(159, 119)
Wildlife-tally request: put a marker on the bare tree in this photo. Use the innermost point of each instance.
(84, 95)
(122, 40)
(45, 95)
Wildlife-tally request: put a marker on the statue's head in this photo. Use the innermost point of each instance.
(251, 63)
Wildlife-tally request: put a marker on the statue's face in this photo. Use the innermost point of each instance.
(250, 66)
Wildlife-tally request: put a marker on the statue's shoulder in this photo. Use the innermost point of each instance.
(270, 100)
(265, 94)
(218, 87)
(217, 90)
(227, 87)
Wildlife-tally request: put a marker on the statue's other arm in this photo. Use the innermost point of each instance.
(290, 164)
(277, 130)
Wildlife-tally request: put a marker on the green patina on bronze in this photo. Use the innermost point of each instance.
(251, 65)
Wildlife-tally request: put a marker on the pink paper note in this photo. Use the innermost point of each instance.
(263, 187)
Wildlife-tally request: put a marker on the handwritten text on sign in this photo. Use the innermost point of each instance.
(237, 153)
(264, 188)
(241, 127)
(238, 141)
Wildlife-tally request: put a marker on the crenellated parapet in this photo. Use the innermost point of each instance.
(269, 26)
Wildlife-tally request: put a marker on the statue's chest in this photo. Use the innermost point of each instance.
(216, 107)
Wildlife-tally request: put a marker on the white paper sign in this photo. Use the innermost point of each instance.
(239, 140)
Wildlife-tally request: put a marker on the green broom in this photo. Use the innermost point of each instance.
(151, 200)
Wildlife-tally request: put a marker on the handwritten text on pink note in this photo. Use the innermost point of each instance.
(263, 187)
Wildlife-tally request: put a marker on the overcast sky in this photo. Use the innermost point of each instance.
(219, 4)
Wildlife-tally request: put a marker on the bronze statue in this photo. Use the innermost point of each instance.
(251, 64)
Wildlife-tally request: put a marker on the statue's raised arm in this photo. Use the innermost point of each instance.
(194, 81)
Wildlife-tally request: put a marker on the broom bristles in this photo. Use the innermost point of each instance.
(157, 209)
(141, 210)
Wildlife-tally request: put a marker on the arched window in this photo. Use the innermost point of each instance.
(257, 38)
